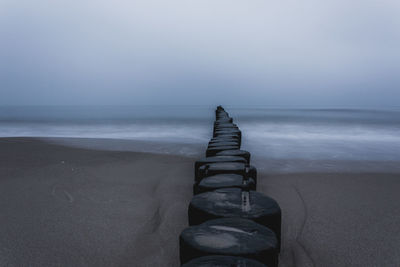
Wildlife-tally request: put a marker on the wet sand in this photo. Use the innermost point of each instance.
(68, 206)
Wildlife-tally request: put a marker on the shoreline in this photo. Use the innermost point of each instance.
(268, 165)
(71, 206)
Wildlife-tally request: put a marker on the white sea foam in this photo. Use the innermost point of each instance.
(311, 135)
(160, 132)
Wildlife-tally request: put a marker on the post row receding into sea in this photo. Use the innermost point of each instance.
(230, 224)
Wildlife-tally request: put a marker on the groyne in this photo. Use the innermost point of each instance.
(230, 223)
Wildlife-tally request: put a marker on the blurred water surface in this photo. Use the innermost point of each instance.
(325, 136)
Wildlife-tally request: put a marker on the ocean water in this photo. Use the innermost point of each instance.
(279, 139)
(291, 140)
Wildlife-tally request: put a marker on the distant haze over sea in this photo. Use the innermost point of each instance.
(273, 135)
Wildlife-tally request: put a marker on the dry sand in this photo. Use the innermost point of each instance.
(337, 219)
(64, 206)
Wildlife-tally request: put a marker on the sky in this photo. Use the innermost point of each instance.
(327, 53)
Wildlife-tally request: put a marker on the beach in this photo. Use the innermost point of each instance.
(69, 206)
(105, 107)
(337, 219)
(63, 206)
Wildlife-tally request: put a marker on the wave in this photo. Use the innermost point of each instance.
(269, 134)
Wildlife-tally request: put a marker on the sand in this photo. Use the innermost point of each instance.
(65, 206)
(337, 219)
(69, 206)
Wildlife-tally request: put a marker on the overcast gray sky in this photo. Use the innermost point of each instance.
(280, 53)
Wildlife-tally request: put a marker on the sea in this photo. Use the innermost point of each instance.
(279, 139)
